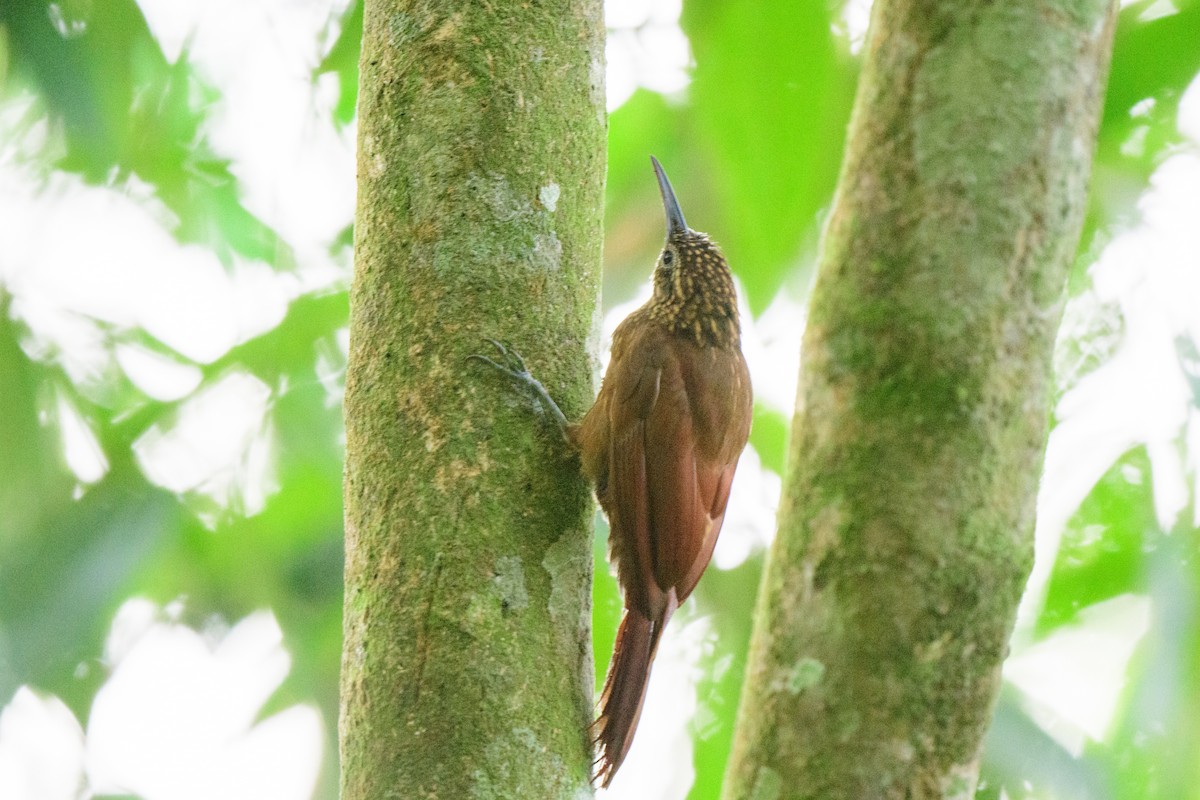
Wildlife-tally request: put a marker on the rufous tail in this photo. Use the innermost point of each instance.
(624, 692)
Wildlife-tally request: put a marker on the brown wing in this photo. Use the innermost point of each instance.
(626, 500)
(670, 463)
(717, 384)
(678, 484)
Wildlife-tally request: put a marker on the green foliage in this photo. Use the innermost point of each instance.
(125, 111)
(753, 146)
(771, 98)
(1101, 555)
(754, 149)
(1153, 62)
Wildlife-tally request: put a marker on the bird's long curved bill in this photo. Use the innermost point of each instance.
(675, 222)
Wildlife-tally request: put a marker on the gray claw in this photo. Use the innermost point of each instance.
(516, 369)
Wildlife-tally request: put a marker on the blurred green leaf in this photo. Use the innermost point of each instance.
(728, 598)
(85, 77)
(292, 346)
(1103, 549)
(1153, 61)
(62, 585)
(769, 438)
(126, 111)
(342, 60)
(1152, 751)
(64, 562)
(771, 99)
(634, 224)
(31, 464)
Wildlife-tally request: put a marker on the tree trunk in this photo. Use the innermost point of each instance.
(906, 528)
(466, 667)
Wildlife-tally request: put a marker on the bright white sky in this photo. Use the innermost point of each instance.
(176, 720)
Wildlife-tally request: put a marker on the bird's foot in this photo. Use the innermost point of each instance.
(511, 364)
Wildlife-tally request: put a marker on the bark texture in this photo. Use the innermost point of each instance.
(907, 521)
(466, 667)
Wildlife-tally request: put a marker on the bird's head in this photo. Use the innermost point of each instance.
(690, 263)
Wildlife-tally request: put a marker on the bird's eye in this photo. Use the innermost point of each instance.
(667, 258)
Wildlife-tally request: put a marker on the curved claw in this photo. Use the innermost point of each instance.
(497, 365)
(517, 370)
(516, 365)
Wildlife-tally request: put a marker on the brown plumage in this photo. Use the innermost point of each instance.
(661, 444)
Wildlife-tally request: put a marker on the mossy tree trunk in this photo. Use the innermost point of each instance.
(905, 535)
(467, 661)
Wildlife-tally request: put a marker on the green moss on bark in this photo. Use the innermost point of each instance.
(906, 528)
(467, 664)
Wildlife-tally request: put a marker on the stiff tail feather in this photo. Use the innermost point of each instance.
(625, 689)
(624, 692)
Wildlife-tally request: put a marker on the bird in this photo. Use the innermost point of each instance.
(660, 445)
